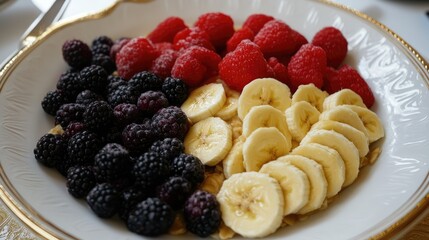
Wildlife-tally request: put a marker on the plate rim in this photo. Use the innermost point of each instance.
(12, 199)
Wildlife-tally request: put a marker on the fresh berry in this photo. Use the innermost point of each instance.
(137, 137)
(163, 65)
(117, 46)
(135, 56)
(50, 149)
(170, 122)
(189, 167)
(243, 65)
(93, 78)
(168, 148)
(130, 197)
(80, 180)
(161, 47)
(298, 40)
(195, 65)
(105, 40)
(151, 217)
(189, 37)
(280, 70)
(104, 200)
(145, 81)
(151, 101)
(240, 35)
(98, 116)
(69, 112)
(102, 49)
(76, 53)
(126, 113)
(334, 43)
(150, 170)
(307, 66)
(112, 135)
(87, 96)
(82, 148)
(275, 39)
(69, 84)
(114, 82)
(53, 101)
(166, 30)
(202, 214)
(104, 61)
(72, 129)
(256, 21)
(122, 94)
(175, 90)
(219, 27)
(111, 163)
(175, 191)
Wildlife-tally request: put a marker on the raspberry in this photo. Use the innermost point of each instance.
(117, 46)
(175, 90)
(72, 129)
(161, 47)
(256, 21)
(280, 70)
(69, 112)
(104, 61)
(76, 53)
(298, 40)
(137, 137)
(219, 27)
(104, 200)
(144, 81)
(243, 65)
(195, 65)
(307, 66)
(334, 43)
(53, 101)
(126, 113)
(80, 180)
(122, 94)
(69, 84)
(102, 40)
(168, 148)
(135, 56)
(150, 217)
(82, 147)
(98, 116)
(102, 49)
(175, 191)
(50, 150)
(130, 197)
(202, 214)
(192, 37)
(170, 122)
(150, 170)
(111, 163)
(87, 96)
(150, 102)
(163, 65)
(166, 30)
(189, 167)
(275, 39)
(240, 35)
(93, 78)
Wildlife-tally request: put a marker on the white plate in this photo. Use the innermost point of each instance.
(384, 198)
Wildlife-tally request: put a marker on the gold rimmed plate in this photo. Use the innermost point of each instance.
(385, 198)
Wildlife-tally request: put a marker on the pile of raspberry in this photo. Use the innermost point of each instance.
(119, 142)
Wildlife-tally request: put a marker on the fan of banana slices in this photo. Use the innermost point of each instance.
(280, 154)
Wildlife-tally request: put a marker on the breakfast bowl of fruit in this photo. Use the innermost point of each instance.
(223, 119)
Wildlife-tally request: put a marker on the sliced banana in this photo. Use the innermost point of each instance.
(343, 97)
(251, 204)
(294, 183)
(263, 91)
(330, 160)
(229, 110)
(233, 162)
(358, 138)
(204, 102)
(342, 145)
(300, 117)
(262, 146)
(210, 140)
(311, 94)
(316, 177)
(371, 122)
(345, 115)
(265, 116)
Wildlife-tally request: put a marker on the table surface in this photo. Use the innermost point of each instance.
(413, 26)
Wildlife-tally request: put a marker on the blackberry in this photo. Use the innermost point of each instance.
(150, 217)
(87, 96)
(102, 40)
(80, 180)
(117, 46)
(130, 197)
(202, 214)
(168, 148)
(93, 78)
(53, 101)
(150, 170)
(126, 113)
(63, 165)
(112, 135)
(150, 102)
(72, 129)
(69, 112)
(175, 90)
(104, 200)
(175, 191)
(98, 116)
(100, 48)
(82, 148)
(189, 167)
(76, 53)
(171, 122)
(111, 163)
(122, 94)
(50, 150)
(114, 82)
(104, 61)
(69, 83)
(137, 137)
(145, 81)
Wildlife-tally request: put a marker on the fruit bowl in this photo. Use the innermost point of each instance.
(383, 200)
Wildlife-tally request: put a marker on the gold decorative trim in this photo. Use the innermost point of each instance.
(13, 205)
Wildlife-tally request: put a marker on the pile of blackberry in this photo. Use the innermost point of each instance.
(120, 143)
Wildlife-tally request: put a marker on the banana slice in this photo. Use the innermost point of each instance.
(263, 91)
(343, 97)
(204, 102)
(311, 94)
(210, 140)
(342, 145)
(355, 136)
(229, 110)
(233, 163)
(371, 122)
(265, 116)
(316, 177)
(251, 204)
(330, 160)
(345, 115)
(294, 183)
(300, 117)
(262, 146)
